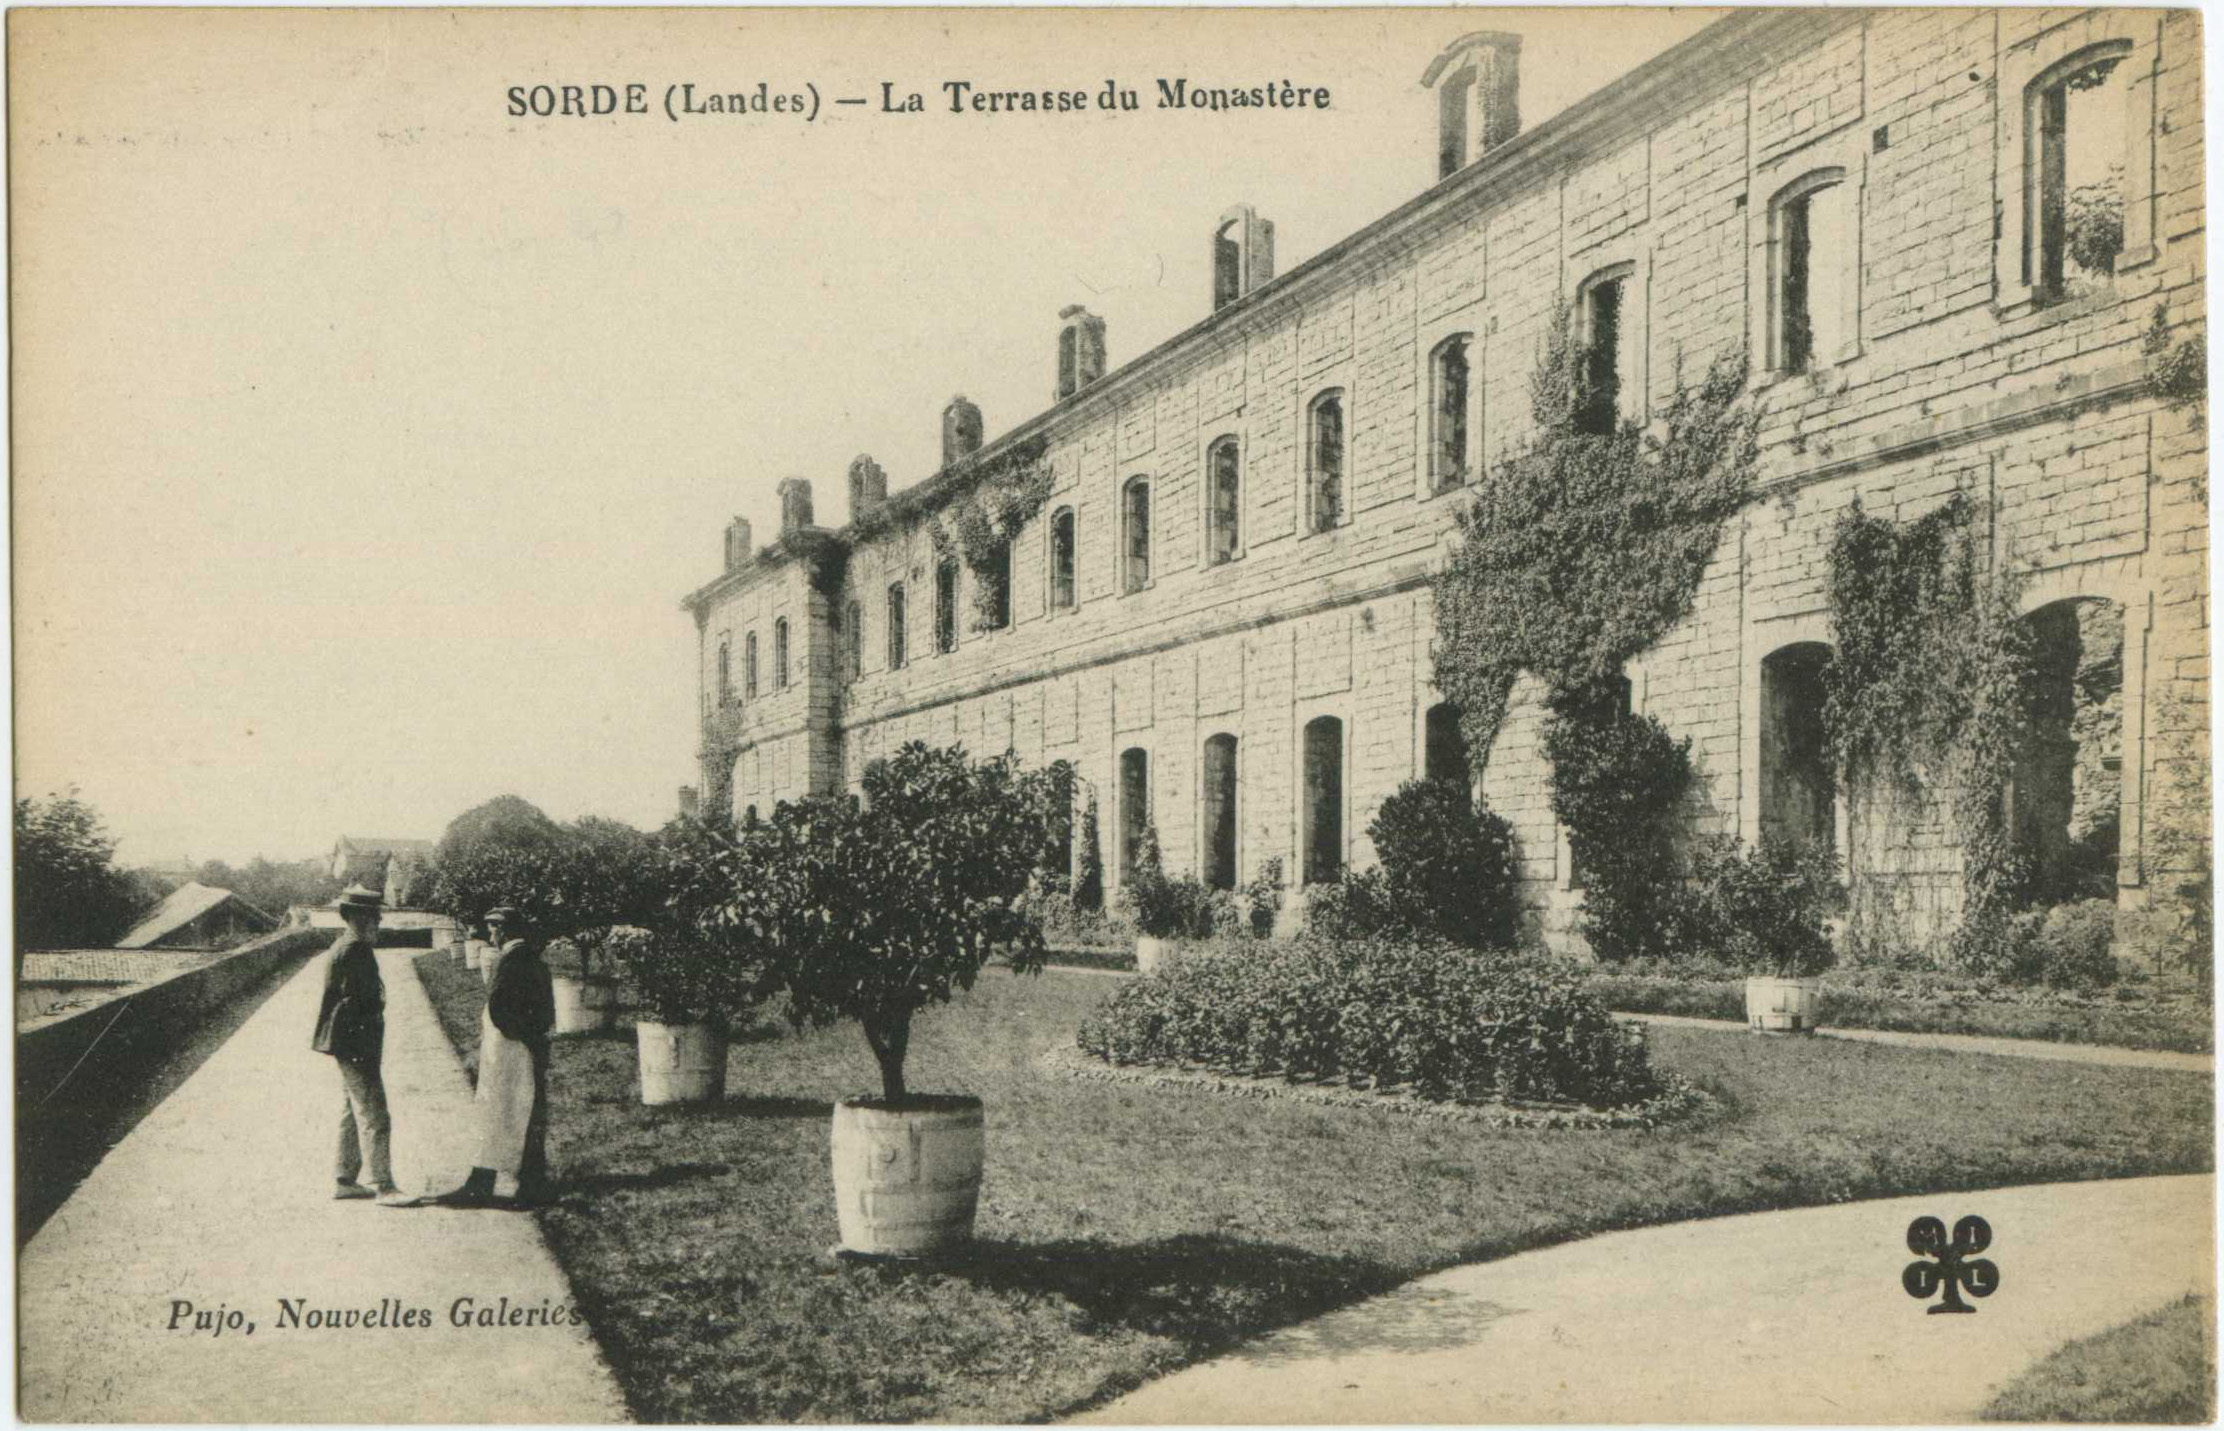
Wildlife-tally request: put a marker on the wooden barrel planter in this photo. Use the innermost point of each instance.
(1782, 1006)
(907, 1179)
(1151, 952)
(680, 1063)
(584, 1005)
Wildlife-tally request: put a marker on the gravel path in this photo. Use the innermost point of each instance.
(221, 1198)
(1769, 1319)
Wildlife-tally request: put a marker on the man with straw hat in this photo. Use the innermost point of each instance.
(351, 1028)
(512, 1165)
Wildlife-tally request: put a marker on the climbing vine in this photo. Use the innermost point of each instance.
(1581, 551)
(1584, 549)
(1928, 692)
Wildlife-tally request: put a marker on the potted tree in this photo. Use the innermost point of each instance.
(875, 910)
(1165, 909)
(606, 876)
(685, 996)
(1767, 910)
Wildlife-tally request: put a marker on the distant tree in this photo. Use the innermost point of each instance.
(504, 851)
(68, 892)
(272, 886)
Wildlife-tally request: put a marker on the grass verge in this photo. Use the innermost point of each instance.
(2156, 1369)
(1124, 1232)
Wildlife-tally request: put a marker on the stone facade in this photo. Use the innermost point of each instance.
(1937, 363)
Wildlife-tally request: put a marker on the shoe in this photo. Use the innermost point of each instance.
(351, 1192)
(465, 1196)
(395, 1197)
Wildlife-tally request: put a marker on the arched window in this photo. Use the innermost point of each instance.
(1217, 815)
(1448, 371)
(1798, 791)
(1061, 559)
(1600, 310)
(895, 626)
(749, 666)
(1324, 461)
(1810, 271)
(1324, 800)
(2064, 799)
(725, 670)
(946, 605)
(780, 654)
(1223, 501)
(1444, 754)
(854, 623)
(1135, 806)
(1135, 518)
(2074, 176)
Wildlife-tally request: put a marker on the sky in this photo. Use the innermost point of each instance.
(367, 436)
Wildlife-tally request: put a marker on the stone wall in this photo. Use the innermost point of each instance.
(1953, 376)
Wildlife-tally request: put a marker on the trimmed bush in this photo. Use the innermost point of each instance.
(2068, 947)
(1423, 1015)
(1173, 907)
(1357, 906)
(1450, 866)
(1764, 910)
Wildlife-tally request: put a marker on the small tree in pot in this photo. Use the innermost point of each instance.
(1766, 910)
(689, 987)
(876, 910)
(607, 875)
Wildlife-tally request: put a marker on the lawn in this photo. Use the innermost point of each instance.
(1126, 1231)
(2156, 1369)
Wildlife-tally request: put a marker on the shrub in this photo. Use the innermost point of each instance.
(2070, 946)
(1396, 1012)
(684, 976)
(1263, 896)
(1763, 910)
(1616, 782)
(1172, 907)
(1356, 906)
(1088, 885)
(1449, 866)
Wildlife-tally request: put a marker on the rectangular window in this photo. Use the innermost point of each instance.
(1448, 450)
(780, 653)
(725, 673)
(856, 637)
(1599, 403)
(946, 607)
(1224, 496)
(749, 667)
(2076, 202)
(996, 589)
(896, 627)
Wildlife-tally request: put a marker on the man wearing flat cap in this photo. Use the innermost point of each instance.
(351, 1028)
(512, 1166)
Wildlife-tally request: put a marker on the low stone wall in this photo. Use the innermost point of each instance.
(83, 1080)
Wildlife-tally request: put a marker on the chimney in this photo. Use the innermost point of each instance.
(961, 430)
(795, 505)
(868, 486)
(690, 805)
(1477, 80)
(1080, 350)
(737, 543)
(1242, 255)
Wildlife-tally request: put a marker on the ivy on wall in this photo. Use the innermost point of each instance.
(1584, 549)
(1928, 694)
(1579, 552)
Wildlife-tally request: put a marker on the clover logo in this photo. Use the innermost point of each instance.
(1957, 1265)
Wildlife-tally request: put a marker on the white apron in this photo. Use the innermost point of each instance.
(505, 1098)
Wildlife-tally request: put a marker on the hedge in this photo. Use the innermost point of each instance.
(1439, 1020)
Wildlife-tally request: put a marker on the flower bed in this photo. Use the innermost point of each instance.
(2135, 1015)
(1430, 1018)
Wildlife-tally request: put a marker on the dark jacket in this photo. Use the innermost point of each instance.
(521, 1002)
(351, 1022)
